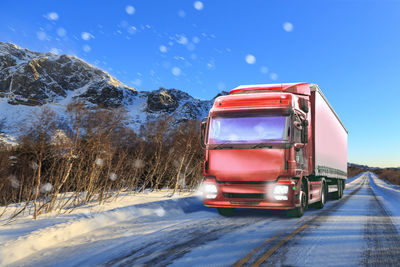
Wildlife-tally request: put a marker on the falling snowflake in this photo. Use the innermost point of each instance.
(250, 59)
(182, 13)
(163, 49)
(132, 30)
(52, 16)
(264, 70)
(113, 176)
(273, 76)
(34, 165)
(47, 187)
(221, 86)
(182, 40)
(41, 35)
(86, 48)
(130, 10)
(138, 163)
(61, 32)
(86, 36)
(198, 5)
(137, 82)
(99, 162)
(14, 181)
(160, 212)
(196, 40)
(55, 51)
(287, 26)
(176, 71)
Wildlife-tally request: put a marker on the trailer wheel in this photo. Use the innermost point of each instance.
(225, 211)
(321, 203)
(299, 211)
(339, 193)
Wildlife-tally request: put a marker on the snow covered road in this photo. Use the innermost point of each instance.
(360, 229)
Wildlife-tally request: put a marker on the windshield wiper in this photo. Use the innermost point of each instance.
(221, 146)
(261, 145)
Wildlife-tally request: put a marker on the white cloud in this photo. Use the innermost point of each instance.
(130, 10)
(287, 26)
(52, 16)
(250, 59)
(86, 36)
(273, 76)
(163, 49)
(176, 71)
(61, 32)
(198, 5)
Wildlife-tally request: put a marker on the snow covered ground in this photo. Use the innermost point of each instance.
(154, 229)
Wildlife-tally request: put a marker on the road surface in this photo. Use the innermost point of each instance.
(355, 230)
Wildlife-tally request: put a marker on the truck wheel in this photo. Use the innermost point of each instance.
(299, 211)
(321, 203)
(225, 211)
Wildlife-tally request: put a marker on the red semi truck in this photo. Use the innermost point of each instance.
(273, 146)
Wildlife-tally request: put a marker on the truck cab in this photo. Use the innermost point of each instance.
(259, 150)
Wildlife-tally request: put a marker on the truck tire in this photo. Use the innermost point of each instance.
(299, 211)
(225, 211)
(339, 193)
(322, 202)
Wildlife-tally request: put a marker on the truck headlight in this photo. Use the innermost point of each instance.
(281, 190)
(210, 188)
(210, 191)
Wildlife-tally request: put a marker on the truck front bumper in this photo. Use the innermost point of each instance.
(253, 196)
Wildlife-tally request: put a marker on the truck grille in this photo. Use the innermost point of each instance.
(244, 202)
(244, 195)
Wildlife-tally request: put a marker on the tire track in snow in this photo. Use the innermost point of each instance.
(174, 248)
(381, 236)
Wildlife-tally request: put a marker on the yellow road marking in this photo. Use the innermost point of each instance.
(273, 249)
(245, 259)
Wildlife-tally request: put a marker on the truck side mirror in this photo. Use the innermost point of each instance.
(304, 105)
(304, 132)
(203, 126)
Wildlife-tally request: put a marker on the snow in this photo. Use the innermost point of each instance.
(250, 59)
(288, 27)
(153, 228)
(176, 71)
(61, 32)
(163, 49)
(52, 16)
(130, 10)
(264, 70)
(86, 36)
(198, 5)
(41, 35)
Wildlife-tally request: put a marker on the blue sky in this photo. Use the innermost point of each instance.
(350, 48)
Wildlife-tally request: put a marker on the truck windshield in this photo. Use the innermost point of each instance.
(248, 130)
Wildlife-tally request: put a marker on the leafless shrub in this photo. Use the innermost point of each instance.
(94, 158)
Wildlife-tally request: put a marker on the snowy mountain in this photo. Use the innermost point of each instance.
(30, 81)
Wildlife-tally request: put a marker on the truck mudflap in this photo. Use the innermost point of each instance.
(273, 195)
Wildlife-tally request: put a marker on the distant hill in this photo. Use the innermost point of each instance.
(30, 80)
